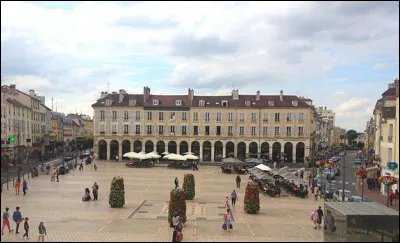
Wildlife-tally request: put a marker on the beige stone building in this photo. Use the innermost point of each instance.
(88, 123)
(212, 127)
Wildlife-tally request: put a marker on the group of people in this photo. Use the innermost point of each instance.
(329, 222)
(177, 234)
(18, 219)
(95, 191)
(18, 186)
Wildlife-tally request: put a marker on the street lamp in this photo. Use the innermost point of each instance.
(344, 173)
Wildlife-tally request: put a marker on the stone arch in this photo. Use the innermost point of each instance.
(276, 151)
(195, 148)
(241, 151)
(183, 147)
(230, 150)
(300, 152)
(102, 147)
(265, 150)
(160, 147)
(206, 151)
(126, 148)
(114, 147)
(218, 147)
(137, 146)
(148, 146)
(253, 149)
(288, 150)
(172, 147)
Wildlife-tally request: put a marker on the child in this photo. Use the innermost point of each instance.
(24, 186)
(17, 186)
(42, 231)
(26, 228)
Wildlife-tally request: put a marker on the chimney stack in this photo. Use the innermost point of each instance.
(190, 94)
(32, 93)
(281, 95)
(146, 93)
(258, 95)
(235, 94)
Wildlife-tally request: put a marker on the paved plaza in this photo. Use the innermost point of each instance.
(144, 217)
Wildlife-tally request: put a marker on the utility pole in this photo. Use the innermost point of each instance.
(344, 173)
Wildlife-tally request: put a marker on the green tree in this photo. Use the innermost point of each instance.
(117, 193)
(189, 186)
(351, 136)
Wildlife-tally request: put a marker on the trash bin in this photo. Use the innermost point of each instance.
(62, 170)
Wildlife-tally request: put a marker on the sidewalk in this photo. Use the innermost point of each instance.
(376, 195)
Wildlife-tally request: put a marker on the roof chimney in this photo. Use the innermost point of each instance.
(235, 94)
(281, 95)
(146, 93)
(190, 94)
(103, 95)
(121, 96)
(32, 93)
(258, 95)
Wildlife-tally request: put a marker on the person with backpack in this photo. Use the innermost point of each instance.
(17, 217)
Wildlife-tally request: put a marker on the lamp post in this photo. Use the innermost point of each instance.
(344, 176)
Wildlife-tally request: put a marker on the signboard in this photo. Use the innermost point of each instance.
(392, 165)
(371, 151)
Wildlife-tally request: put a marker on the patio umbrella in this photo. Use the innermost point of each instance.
(191, 157)
(231, 160)
(263, 167)
(254, 160)
(130, 155)
(140, 156)
(165, 153)
(168, 155)
(189, 153)
(176, 157)
(152, 155)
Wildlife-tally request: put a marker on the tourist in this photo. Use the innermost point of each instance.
(6, 222)
(176, 182)
(233, 197)
(17, 186)
(330, 221)
(392, 197)
(314, 218)
(26, 228)
(42, 231)
(227, 202)
(178, 229)
(81, 166)
(316, 192)
(86, 197)
(227, 221)
(57, 173)
(238, 180)
(17, 217)
(320, 215)
(95, 189)
(116, 158)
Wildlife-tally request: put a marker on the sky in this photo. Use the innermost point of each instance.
(339, 54)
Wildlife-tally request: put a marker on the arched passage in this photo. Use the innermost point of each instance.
(148, 146)
(114, 146)
(126, 148)
(300, 150)
(253, 149)
(265, 150)
(160, 147)
(172, 147)
(288, 149)
(241, 150)
(218, 151)
(206, 151)
(137, 146)
(230, 150)
(183, 147)
(276, 150)
(195, 148)
(102, 147)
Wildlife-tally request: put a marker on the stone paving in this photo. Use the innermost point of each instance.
(143, 218)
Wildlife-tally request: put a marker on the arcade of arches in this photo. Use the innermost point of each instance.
(206, 150)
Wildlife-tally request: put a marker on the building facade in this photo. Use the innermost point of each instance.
(213, 127)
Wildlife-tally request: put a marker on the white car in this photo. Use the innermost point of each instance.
(358, 161)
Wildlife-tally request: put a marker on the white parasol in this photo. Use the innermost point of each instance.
(130, 155)
(189, 153)
(191, 156)
(165, 153)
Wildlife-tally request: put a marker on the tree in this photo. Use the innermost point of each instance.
(189, 186)
(117, 193)
(252, 199)
(351, 136)
(177, 205)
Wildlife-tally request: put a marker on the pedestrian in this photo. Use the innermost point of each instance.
(178, 235)
(227, 221)
(392, 197)
(47, 169)
(24, 187)
(176, 182)
(233, 197)
(57, 173)
(396, 193)
(26, 228)
(227, 202)
(81, 166)
(17, 217)
(116, 158)
(238, 180)
(95, 167)
(6, 222)
(320, 215)
(95, 189)
(17, 186)
(274, 164)
(316, 192)
(42, 231)
(314, 218)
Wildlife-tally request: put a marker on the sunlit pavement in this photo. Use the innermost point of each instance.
(143, 218)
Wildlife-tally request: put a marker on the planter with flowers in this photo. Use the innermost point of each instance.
(252, 199)
(388, 181)
(362, 173)
(177, 205)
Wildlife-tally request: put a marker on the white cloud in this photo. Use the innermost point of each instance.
(340, 93)
(351, 105)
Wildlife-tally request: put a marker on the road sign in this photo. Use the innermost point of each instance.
(371, 151)
(392, 165)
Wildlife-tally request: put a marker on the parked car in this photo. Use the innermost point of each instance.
(358, 199)
(337, 196)
(358, 161)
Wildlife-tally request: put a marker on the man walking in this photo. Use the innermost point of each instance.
(17, 217)
(320, 215)
(233, 197)
(57, 174)
(176, 182)
(24, 187)
(238, 180)
(26, 228)
(6, 222)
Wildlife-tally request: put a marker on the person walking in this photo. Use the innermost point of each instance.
(314, 218)
(274, 164)
(116, 158)
(6, 222)
(24, 187)
(17, 186)
(42, 231)
(238, 180)
(320, 215)
(233, 197)
(17, 217)
(227, 221)
(227, 202)
(176, 182)
(316, 192)
(95, 189)
(81, 166)
(26, 228)
(392, 197)
(57, 174)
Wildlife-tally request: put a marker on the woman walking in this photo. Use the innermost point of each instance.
(227, 221)
(314, 218)
(42, 231)
(17, 186)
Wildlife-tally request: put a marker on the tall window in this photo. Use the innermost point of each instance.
(241, 117)
(277, 131)
(149, 116)
(172, 115)
(301, 131)
(102, 130)
(126, 129)
(195, 130)
(160, 130)
(265, 117)
(289, 117)
(137, 129)
(253, 131)
(149, 130)
(114, 129)
(218, 130)
(253, 117)
(207, 130)
(114, 115)
(230, 116)
(207, 116)
(301, 116)
(184, 116)
(195, 116)
(184, 130)
(230, 131)
(265, 131)
(218, 116)
(241, 131)
(126, 115)
(277, 117)
(288, 131)
(137, 116)
(172, 130)
(160, 116)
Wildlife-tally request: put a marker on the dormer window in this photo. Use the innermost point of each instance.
(295, 103)
(271, 103)
(132, 102)
(202, 103)
(224, 103)
(178, 102)
(247, 103)
(155, 102)
(108, 102)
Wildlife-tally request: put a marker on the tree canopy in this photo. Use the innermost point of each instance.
(351, 136)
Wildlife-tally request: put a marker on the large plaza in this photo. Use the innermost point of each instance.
(144, 217)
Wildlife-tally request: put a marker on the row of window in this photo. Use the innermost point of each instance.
(277, 117)
(207, 130)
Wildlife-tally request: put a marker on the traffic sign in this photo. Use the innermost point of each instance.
(12, 139)
(371, 151)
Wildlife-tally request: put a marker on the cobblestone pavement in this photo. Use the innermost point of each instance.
(143, 218)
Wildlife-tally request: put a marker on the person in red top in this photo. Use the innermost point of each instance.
(392, 196)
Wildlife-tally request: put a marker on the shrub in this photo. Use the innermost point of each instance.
(117, 193)
(177, 205)
(189, 186)
(251, 199)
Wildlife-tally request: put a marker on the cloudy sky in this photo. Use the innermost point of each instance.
(341, 55)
